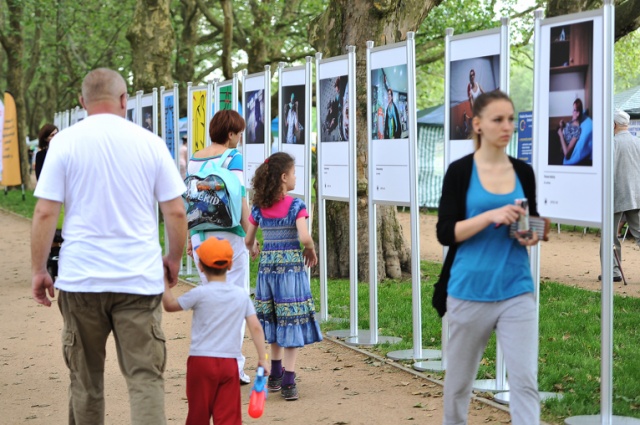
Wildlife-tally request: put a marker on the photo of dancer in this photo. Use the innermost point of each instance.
(570, 95)
(254, 117)
(389, 104)
(293, 114)
(334, 109)
(468, 79)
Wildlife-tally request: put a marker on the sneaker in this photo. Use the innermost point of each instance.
(290, 392)
(244, 378)
(615, 278)
(273, 383)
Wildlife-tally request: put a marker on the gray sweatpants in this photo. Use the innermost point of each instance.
(470, 326)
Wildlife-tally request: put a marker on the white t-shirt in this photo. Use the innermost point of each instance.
(109, 173)
(218, 311)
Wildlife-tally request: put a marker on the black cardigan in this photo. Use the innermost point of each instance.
(453, 208)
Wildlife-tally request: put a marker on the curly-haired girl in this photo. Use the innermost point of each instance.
(283, 296)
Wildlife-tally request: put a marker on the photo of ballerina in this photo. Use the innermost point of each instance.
(293, 114)
(334, 109)
(389, 106)
(469, 78)
(254, 117)
(570, 94)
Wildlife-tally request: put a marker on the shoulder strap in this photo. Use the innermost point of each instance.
(219, 161)
(224, 157)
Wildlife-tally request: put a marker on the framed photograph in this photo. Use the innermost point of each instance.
(571, 95)
(254, 117)
(293, 114)
(389, 108)
(334, 109)
(469, 79)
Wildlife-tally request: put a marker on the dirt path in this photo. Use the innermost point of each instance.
(337, 385)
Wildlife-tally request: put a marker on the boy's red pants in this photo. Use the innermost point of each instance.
(213, 390)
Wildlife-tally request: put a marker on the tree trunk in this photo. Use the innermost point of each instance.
(185, 52)
(13, 43)
(227, 39)
(354, 22)
(152, 42)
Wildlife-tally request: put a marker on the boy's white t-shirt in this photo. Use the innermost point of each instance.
(109, 173)
(218, 311)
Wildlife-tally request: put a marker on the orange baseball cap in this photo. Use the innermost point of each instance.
(216, 253)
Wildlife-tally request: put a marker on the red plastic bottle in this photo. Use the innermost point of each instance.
(258, 394)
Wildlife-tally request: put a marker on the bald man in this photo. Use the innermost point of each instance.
(626, 183)
(109, 173)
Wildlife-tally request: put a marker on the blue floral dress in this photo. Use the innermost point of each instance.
(283, 299)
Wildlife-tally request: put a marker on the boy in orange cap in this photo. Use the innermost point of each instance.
(213, 383)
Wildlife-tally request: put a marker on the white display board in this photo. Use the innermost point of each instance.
(569, 77)
(333, 127)
(294, 120)
(257, 111)
(389, 131)
(473, 67)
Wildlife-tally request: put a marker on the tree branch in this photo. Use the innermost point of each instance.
(227, 38)
(3, 40)
(627, 18)
(240, 42)
(213, 67)
(35, 52)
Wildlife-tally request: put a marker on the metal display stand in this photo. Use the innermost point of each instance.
(175, 140)
(601, 69)
(601, 420)
(441, 364)
(258, 81)
(207, 141)
(500, 382)
(333, 68)
(293, 74)
(383, 54)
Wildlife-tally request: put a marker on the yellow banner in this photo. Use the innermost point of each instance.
(10, 148)
(199, 123)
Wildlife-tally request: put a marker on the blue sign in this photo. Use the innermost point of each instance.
(525, 133)
(169, 129)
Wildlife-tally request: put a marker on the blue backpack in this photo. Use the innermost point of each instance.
(213, 197)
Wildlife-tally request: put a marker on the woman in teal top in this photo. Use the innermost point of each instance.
(486, 273)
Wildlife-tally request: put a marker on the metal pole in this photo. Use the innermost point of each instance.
(416, 287)
(353, 194)
(373, 233)
(267, 111)
(322, 219)
(606, 380)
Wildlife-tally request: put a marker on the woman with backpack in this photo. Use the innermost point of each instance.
(225, 130)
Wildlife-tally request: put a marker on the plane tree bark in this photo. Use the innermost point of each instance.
(354, 22)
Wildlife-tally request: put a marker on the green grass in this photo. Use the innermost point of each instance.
(12, 201)
(569, 339)
(569, 332)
